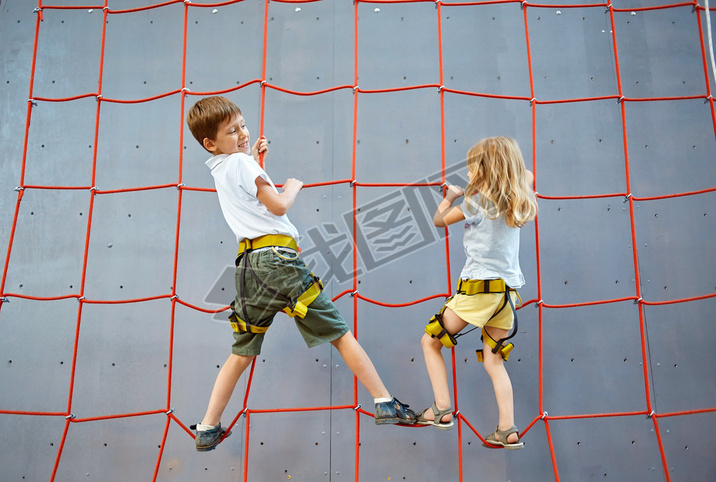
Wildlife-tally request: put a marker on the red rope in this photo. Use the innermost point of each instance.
(355, 184)
(354, 193)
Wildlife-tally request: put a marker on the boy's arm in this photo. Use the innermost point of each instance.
(277, 203)
(447, 214)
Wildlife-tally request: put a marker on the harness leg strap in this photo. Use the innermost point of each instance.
(436, 329)
(299, 306)
(294, 307)
(241, 326)
(499, 345)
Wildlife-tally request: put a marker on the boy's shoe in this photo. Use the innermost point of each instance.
(394, 412)
(208, 439)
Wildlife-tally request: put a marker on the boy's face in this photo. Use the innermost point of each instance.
(232, 136)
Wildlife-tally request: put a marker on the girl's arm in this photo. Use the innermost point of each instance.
(447, 214)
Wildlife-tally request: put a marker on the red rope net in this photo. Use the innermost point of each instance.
(355, 184)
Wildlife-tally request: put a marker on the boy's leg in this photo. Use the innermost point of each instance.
(359, 363)
(435, 363)
(495, 367)
(224, 386)
(388, 410)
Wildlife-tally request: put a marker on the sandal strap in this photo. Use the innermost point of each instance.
(439, 414)
(503, 434)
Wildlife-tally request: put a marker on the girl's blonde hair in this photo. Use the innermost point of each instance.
(497, 172)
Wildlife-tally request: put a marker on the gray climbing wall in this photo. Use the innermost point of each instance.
(115, 255)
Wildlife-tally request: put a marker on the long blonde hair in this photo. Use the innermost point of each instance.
(497, 172)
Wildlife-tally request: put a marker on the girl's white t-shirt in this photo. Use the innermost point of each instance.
(235, 180)
(491, 247)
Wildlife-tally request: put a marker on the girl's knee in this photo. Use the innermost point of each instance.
(493, 363)
(430, 343)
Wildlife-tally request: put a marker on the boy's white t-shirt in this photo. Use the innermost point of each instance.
(235, 180)
(491, 247)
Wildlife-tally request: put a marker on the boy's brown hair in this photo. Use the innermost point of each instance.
(205, 116)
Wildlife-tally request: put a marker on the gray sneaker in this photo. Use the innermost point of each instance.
(208, 439)
(394, 412)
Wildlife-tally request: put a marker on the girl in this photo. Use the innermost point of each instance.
(499, 201)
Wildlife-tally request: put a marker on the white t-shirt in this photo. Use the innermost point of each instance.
(491, 247)
(235, 180)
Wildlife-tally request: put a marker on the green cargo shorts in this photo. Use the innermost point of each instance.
(285, 272)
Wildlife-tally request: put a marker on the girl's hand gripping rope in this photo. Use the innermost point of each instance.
(454, 192)
(446, 214)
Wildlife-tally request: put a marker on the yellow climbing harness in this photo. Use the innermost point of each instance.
(503, 350)
(299, 307)
(240, 326)
(266, 241)
(476, 286)
(294, 306)
(436, 329)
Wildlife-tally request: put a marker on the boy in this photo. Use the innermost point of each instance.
(270, 276)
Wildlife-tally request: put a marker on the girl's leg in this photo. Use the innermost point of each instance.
(495, 367)
(224, 386)
(434, 362)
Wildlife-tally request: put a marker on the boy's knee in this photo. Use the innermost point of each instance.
(236, 357)
(239, 361)
(347, 336)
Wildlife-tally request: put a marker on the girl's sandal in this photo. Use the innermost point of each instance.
(493, 442)
(437, 422)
